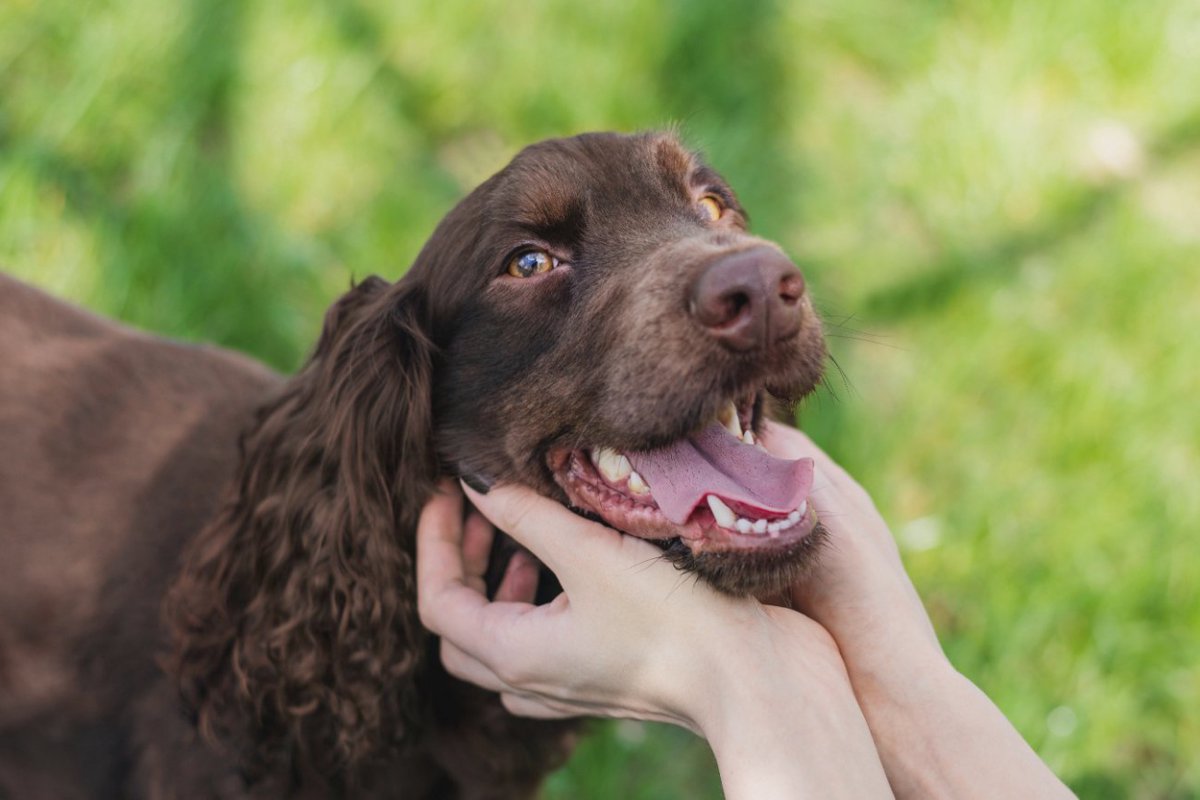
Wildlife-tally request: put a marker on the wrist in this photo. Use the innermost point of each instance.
(770, 656)
(939, 736)
(782, 719)
(909, 708)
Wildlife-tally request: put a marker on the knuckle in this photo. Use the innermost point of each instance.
(511, 702)
(512, 674)
(453, 660)
(426, 613)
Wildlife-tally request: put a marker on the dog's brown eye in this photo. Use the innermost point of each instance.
(530, 263)
(710, 207)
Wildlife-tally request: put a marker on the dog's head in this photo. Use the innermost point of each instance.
(594, 321)
(609, 334)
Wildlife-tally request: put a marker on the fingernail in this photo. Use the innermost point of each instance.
(477, 482)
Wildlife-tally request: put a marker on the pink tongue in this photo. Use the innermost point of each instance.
(714, 462)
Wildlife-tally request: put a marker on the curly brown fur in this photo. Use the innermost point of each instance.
(293, 615)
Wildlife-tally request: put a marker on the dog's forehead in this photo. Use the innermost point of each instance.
(559, 178)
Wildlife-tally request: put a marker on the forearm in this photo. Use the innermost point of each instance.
(939, 736)
(818, 753)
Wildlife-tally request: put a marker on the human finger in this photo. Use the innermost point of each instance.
(523, 705)
(476, 548)
(464, 666)
(439, 543)
(566, 542)
(447, 602)
(520, 580)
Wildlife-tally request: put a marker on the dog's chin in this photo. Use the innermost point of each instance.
(763, 573)
(735, 546)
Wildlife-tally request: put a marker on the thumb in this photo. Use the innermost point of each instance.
(565, 542)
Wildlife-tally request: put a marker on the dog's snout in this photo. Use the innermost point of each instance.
(749, 299)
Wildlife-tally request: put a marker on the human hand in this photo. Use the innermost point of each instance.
(630, 636)
(938, 735)
(859, 591)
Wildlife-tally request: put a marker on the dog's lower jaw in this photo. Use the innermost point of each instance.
(760, 575)
(730, 562)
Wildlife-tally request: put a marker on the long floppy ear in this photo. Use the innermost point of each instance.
(293, 620)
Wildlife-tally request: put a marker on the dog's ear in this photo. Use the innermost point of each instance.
(294, 623)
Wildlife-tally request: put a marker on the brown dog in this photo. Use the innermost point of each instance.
(594, 321)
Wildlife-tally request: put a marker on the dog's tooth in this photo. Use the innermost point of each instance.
(614, 466)
(728, 417)
(637, 484)
(795, 516)
(802, 510)
(722, 513)
(744, 525)
(773, 527)
(624, 468)
(602, 459)
(760, 526)
(748, 437)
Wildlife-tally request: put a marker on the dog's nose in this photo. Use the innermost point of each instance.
(749, 299)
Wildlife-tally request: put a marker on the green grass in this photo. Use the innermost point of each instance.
(998, 204)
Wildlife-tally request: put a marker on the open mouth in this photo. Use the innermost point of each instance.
(715, 490)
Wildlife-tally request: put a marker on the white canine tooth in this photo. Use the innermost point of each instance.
(803, 509)
(744, 525)
(760, 526)
(794, 517)
(624, 468)
(612, 465)
(748, 437)
(729, 418)
(637, 484)
(722, 513)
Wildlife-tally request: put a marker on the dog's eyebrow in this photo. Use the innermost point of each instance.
(706, 177)
(675, 164)
(553, 216)
(674, 159)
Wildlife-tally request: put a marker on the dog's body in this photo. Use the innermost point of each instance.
(207, 584)
(116, 448)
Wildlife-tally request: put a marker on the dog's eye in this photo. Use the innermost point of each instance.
(710, 207)
(530, 263)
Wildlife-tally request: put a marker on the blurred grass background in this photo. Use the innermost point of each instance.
(997, 202)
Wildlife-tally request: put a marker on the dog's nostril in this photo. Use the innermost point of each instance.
(733, 304)
(791, 289)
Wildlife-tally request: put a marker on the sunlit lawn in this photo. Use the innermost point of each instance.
(998, 203)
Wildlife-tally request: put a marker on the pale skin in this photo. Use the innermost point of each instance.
(846, 695)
